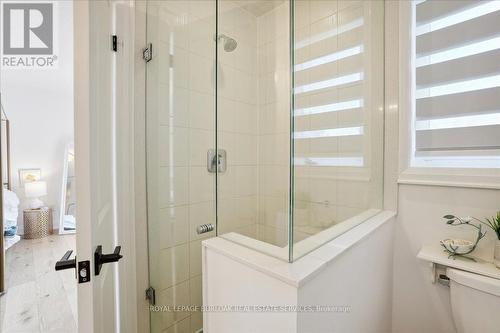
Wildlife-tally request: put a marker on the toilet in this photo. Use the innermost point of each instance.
(475, 302)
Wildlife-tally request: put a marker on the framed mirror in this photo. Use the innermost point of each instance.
(67, 215)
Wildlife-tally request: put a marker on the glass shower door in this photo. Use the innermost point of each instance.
(264, 126)
(253, 123)
(180, 127)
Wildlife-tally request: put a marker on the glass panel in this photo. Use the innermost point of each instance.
(253, 123)
(180, 121)
(338, 118)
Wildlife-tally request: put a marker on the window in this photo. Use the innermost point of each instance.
(456, 119)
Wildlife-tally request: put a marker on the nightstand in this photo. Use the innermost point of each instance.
(37, 222)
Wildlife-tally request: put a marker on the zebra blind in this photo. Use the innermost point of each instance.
(457, 83)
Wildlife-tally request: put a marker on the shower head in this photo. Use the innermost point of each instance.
(230, 44)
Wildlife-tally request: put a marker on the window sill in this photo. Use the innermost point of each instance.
(476, 178)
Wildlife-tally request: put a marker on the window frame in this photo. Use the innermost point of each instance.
(408, 174)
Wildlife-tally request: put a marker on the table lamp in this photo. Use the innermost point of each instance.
(35, 190)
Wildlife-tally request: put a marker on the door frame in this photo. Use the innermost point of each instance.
(141, 223)
(129, 304)
(81, 24)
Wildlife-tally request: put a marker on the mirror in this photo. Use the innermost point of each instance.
(67, 215)
(5, 145)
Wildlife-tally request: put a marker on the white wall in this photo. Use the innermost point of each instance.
(39, 104)
(419, 305)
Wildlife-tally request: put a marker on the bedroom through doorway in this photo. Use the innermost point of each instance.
(38, 211)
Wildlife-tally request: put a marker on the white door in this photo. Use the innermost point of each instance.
(103, 162)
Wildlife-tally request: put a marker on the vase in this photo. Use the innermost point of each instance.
(496, 254)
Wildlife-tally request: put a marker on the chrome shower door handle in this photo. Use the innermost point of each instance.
(204, 228)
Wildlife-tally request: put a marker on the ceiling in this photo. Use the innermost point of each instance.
(258, 7)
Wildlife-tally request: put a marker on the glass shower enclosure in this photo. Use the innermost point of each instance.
(264, 127)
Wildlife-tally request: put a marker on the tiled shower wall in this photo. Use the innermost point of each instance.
(254, 122)
(274, 124)
(180, 130)
(237, 117)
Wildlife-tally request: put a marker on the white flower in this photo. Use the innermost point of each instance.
(467, 219)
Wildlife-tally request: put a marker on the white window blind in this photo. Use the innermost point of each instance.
(457, 83)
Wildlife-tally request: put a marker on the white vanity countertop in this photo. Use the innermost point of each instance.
(306, 267)
(435, 254)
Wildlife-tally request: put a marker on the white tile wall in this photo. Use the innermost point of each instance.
(274, 124)
(180, 130)
(238, 120)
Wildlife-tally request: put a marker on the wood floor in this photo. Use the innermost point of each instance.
(38, 298)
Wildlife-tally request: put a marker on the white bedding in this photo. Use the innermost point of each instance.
(69, 222)
(10, 208)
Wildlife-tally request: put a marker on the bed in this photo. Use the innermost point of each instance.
(10, 214)
(10, 206)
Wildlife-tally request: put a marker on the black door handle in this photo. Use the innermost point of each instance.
(65, 262)
(100, 258)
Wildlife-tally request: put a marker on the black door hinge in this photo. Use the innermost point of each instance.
(114, 43)
(151, 295)
(147, 53)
